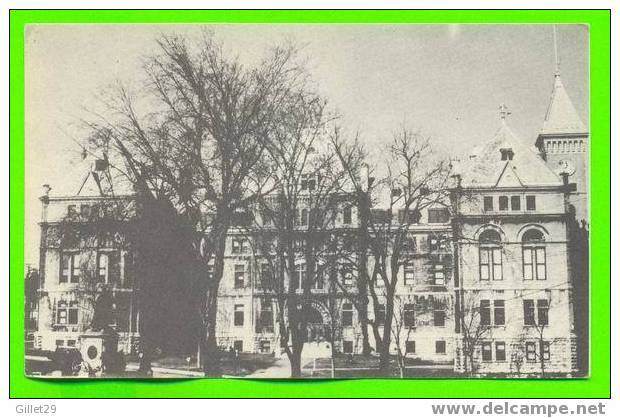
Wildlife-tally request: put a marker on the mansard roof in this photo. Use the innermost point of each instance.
(561, 117)
(486, 168)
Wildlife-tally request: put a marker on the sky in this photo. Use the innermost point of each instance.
(446, 81)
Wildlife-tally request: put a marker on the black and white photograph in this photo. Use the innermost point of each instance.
(307, 201)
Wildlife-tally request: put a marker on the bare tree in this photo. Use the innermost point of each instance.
(401, 330)
(473, 329)
(192, 142)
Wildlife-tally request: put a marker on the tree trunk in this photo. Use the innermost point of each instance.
(366, 347)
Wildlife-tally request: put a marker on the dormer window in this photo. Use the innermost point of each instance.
(507, 154)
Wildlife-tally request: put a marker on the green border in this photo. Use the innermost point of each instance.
(597, 386)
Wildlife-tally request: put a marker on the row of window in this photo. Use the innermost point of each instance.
(535, 312)
(440, 347)
(565, 146)
(503, 203)
(71, 267)
(534, 261)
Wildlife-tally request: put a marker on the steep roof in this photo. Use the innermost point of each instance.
(486, 168)
(561, 117)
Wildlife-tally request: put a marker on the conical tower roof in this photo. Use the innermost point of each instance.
(561, 117)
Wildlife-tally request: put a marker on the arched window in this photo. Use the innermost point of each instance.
(534, 255)
(490, 255)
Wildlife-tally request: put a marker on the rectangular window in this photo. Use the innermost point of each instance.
(238, 346)
(409, 315)
(439, 316)
(543, 312)
(439, 275)
(71, 211)
(438, 242)
(440, 347)
(529, 317)
(500, 351)
(238, 316)
(438, 216)
(487, 352)
(346, 215)
(266, 314)
(409, 275)
(488, 203)
(503, 203)
(239, 276)
(67, 313)
(530, 202)
(300, 276)
(65, 267)
(319, 282)
(266, 277)
(534, 263)
(485, 312)
(347, 274)
(102, 267)
(409, 347)
(265, 346)
(499, 312)
(239, 246)
(347, 314)
(545, 350)
(530, 351)
(380, 314)
(515, 203)
(85, 211)
(347, 347)
(490, 263)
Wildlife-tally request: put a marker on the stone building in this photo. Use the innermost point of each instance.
(493, 285)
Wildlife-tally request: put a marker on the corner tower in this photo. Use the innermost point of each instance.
(563, 143)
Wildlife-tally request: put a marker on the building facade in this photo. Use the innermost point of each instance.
(489, 287)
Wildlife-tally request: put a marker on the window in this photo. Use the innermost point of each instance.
(534, 256)
(487, 352)
(71, 211)
(346, 215)
(266, 314)
(529, 315)
(409, 275)
(238, 346)
(530, 202)
(102, 267)
(439, 315)
(319, 282)
(499, 312)
(506, 154)
(515, 203)
(238, 316)
(440, 347)
(503, 203)
(67, 313)
(543, 312)
(409, 347)
(69, 268)
(438, 216)
(439, 275)
(60, 343)
(266, 277)
(485, 312)
(239, 246)
(347, 347)
(300, 276)
(411, 244)
(70, 343)
(530, 351)
(490, 256)
(545, 350)
(347, 274)
(85, 211)
(409, 315)
(304, 217)
(265, 346)
(380, 314)
(438, 242)
(239, 276)
(500, 351)
(347, 314)
(488, 203)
